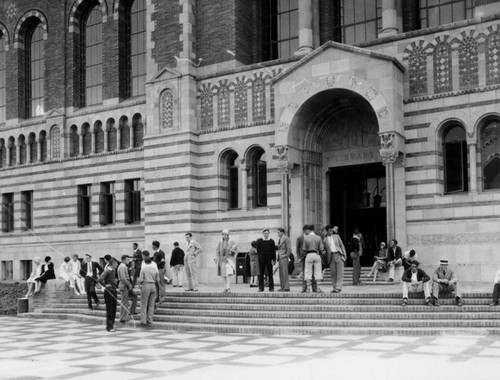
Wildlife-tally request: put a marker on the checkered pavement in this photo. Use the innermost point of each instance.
(56, 349)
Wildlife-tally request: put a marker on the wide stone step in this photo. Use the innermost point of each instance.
(307, 322)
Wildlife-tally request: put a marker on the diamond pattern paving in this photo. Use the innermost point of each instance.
(89, 352)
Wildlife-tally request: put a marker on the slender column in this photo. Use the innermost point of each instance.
(18, 154)
(390, 199)
(39, 151)
(28, 153)
(244, 187)
(105, 141)
(305, 27)
(389, 18)
(473, 167)
(285, 200)
(80, 145)
(49, 148)
(131, 136)
(119, 138)
(92, 142)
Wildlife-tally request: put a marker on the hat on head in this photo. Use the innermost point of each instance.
(226, 231)
(265, 229)
(444, 260)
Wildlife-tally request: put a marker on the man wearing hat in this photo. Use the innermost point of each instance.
(444, 280)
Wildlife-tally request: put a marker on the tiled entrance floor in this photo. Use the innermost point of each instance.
(57, 350)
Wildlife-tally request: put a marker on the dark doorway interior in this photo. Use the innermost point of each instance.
(358, 200)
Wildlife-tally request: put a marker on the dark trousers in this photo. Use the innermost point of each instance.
(111, 302)
(356, 267)
(314, 283)
(266, 262)
(137, 271)
(89, 283)
(496, 293)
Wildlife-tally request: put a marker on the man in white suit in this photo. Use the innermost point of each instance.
(284, 250)
(336, 256)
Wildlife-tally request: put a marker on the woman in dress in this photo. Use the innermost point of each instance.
(76, 281)
(380, 262)
(64, 272)
(225, 259)
(254, 264)
(47, 273)
(35, 273)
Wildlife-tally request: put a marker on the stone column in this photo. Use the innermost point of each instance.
(18, 154)
(92, 142)
(80, 145)
(49, 148)
(305, 27)
(389, 18)
(244, 185)
(473, 166)
(284, 170)
(28, 153)
(38, 150)
(119, 139)
(105, 141)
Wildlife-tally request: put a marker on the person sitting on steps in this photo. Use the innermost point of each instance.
(496, 290)
(380, 263)
(445, 281)
(416, 280)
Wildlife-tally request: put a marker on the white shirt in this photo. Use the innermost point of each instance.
(497, 278)
(152, 263)
(414, 278)
(333, 244)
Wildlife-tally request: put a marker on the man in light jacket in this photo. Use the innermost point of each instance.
(335, 256)
(445, 281)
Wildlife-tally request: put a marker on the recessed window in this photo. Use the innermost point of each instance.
(455, 159)
(7, 270)
(84, 205)
(3, 97)
(490, 154)
(360, 20)
(440, 12)
(132, 201)
(92, 45)
(258, 175)
(35, 71)
(26, 268)
(281, 28)
(27, 210)
(8, 212)
(138, 47)
(107, 203)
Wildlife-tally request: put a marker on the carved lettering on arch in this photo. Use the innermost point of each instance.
(283, 126)
(383, 112)
(331, 81)
(354, 81)
(370, 94)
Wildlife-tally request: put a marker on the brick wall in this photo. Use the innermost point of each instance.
(167, 30)
(326, 17)
(246, 26)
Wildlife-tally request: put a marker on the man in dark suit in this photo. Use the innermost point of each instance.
(90, 271)
(137, 262)
(395, 258)
(284, 250)
(159, 259)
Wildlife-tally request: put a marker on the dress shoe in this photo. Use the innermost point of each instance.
(405, 302)
(494, 303)
(391, 280)
(111, 330)
(459, 302)
(260, 290)
(428, 302)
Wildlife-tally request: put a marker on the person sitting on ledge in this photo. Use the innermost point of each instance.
(496, 290)
(444, 280)
(35, 273)
(416, 280)
(408, 258)
(47, 273)
(380, 263)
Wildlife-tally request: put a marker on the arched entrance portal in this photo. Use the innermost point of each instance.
(340, 178)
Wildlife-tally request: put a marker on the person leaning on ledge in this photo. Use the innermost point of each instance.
(416, 280)
(445, 281)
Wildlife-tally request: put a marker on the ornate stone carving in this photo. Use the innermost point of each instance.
(453, 239)
(331, 81)
(167, 109)
(354, 81)
(387, 141)
(282, 163)
(371, 93)
(282, 152)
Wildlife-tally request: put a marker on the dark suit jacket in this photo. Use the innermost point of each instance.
(395, 255)
(137, 259)
(421, 276)
(95, 268)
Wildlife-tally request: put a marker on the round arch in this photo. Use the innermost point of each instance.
(23, 24)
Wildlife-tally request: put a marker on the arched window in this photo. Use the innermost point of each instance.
(455, 159)
(43, 145)
(12, 151)
(74, 141)
(34, 71)
(138, 130)
(258, 176)
(111, 131)
(229, 178)
(3, 154)
(3, 99)
(490, 154)
(125, 133)
(92, 57)
(137, 46)
(33, 147)
(21, 142)
(87, 139)
(99, 137)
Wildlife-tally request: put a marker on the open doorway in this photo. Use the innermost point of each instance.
(357, 195)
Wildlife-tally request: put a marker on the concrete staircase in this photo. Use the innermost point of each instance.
(247, 311)
(382, 278)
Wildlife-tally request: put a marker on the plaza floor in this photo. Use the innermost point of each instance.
(55, 349)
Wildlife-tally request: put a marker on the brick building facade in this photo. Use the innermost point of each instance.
(125, 121)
